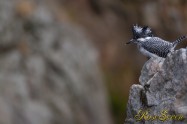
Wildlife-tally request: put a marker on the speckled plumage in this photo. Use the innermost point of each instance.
(152, 46)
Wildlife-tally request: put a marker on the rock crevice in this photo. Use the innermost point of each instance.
(163, 84)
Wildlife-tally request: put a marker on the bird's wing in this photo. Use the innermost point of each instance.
(157, 46)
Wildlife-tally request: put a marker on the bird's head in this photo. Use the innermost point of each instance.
(140, 32)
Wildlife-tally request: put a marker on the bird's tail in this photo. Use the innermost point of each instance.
(179, 40)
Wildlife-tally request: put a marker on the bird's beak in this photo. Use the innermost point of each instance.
(130, 41)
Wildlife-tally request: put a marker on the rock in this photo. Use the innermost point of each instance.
(49, 70)
(162, 88)
(150, 69)
(134, 100)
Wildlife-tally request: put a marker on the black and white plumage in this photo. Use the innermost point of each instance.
(152, 46)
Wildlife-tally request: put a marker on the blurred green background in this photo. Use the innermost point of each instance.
(107, 24)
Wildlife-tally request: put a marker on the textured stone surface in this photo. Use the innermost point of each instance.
(163, 84)
(48, 69)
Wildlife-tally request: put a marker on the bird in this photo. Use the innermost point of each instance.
(151, 45)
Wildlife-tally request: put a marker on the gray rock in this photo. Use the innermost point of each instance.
(150, 68)
(49, 71)
(163, 85)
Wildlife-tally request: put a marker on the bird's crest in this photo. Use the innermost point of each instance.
(141, 32)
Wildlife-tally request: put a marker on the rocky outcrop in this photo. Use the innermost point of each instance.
(161, 96)
(48, 70)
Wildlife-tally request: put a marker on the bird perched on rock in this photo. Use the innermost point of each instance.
(150, 45)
